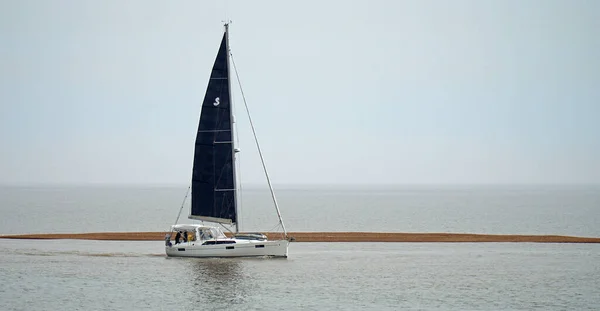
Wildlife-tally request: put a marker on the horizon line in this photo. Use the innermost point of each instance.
(287, 184)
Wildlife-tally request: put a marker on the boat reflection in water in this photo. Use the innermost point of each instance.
(219, 281)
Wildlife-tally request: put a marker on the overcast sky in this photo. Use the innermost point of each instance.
(407, 92)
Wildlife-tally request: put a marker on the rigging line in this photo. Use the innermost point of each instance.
(258, 146)
(274, 227)
(228, 229)
(182, 203)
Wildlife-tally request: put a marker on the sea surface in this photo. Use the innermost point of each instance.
(136, 275)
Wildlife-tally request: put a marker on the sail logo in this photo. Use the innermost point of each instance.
(216, 103)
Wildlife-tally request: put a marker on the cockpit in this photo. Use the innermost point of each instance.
(197, 233)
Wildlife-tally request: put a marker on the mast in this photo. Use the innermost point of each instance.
(235, 189)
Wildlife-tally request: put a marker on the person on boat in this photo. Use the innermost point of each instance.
(185, 236)
(178, 237)
(206, 235)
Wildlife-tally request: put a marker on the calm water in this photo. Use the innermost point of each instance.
(507, 209)
(104, 275)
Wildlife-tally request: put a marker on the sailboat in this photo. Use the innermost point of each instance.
(214, 181)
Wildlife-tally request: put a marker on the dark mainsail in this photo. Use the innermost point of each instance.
(213, 174)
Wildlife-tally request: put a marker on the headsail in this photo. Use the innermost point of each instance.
(213, 175)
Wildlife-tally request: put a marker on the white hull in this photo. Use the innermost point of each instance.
(241, 248)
